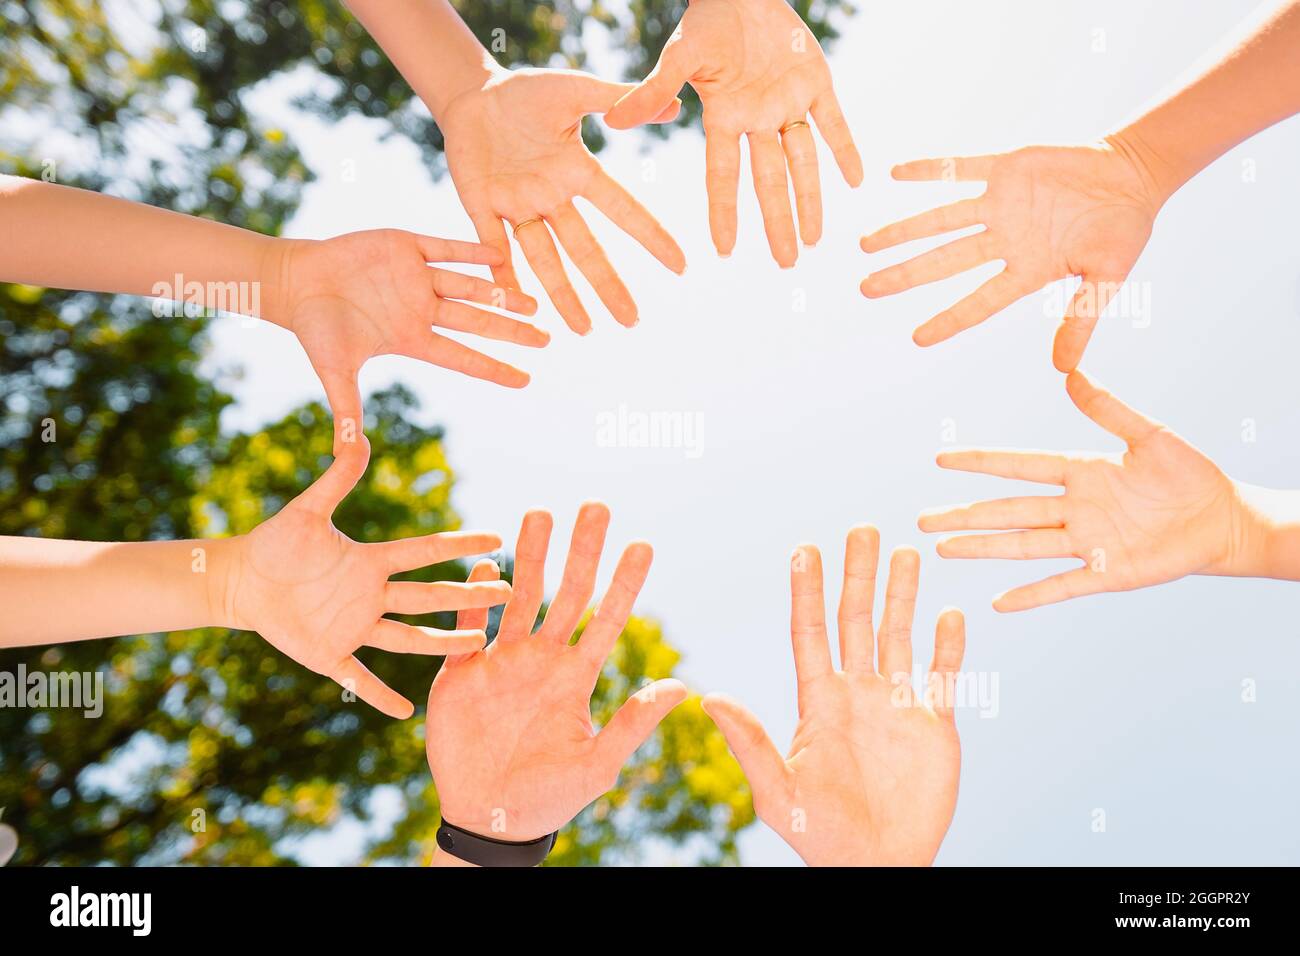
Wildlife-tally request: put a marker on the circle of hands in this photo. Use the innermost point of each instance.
(871, 776)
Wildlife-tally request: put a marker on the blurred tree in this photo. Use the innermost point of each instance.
(212, 747)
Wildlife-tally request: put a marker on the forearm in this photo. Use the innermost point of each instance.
(1253, 86)
(1266, 534)
(58, 591)
(66, 238)
(430, 45)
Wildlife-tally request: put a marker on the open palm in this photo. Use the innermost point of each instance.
(759, 72)
(316, 595)
(515, 152)
(1049, 212)
(1160, 511)
(372, 293)
(871, 777)
(509, 735)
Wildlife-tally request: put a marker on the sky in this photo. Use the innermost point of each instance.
(814, 411)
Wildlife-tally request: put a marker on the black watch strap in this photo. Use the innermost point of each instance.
(485, 851)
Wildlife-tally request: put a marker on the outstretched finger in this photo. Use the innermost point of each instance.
(1043, 467)
(398, 638)
(1086, 306)
(624, 210)
(1059, 587)
(767, 165)
(722, 182)
(419, 597)
(900, 607)
(1108, 411)
(615, 607)
(344, 397)
(942, 262)
(325, 494)
(474, 619)
(1000, 514)
(828, 116)
(520, 615)
(460, 317)
(949, 647)
(456, 285)
(579, 580)
(633, 723)
(586, 253)
(491, 231)
(932, 222)
(762, 763)
(534, 237)
(801, 156)
(812, 652)
(991, 297)
(857, 599)
(949, 169)
(357, 681)
(406, 554)
(1009, 545)
(452, 355)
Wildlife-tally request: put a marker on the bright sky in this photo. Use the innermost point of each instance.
(816, 418)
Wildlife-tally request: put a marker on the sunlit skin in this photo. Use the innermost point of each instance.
(346, 299)
(1155, 513)
(1047, 213)
(510, 736)
(508, 732)
(756, 68)
(871, 777)
(318, 596)
(515, 151)
(364, 294)
(309, 590)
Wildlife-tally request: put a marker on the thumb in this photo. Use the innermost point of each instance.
(1107, 410)
(653, 97)
(758, 757)
(344, 397)
(591, 94)
(327, 491)
(634, 722)
(1081, 315)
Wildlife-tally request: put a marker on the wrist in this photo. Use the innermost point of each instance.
(446, 99)
(223, 565)
(275, 276)
(1160, 174)
(1265, 536)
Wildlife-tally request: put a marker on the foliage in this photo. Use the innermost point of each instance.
(110, 430)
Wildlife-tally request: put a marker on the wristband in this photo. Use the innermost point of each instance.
(485, 851)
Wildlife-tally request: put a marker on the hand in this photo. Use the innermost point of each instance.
(871, 778)
(758, 70)
(372, 293)
(1158, 512)
(515, 151)
(317, 595)
(1049, 212)
(508, 732)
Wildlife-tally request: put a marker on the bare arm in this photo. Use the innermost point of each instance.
(66, 238)
(431, 47)
(1254, 85)
(60, 591)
